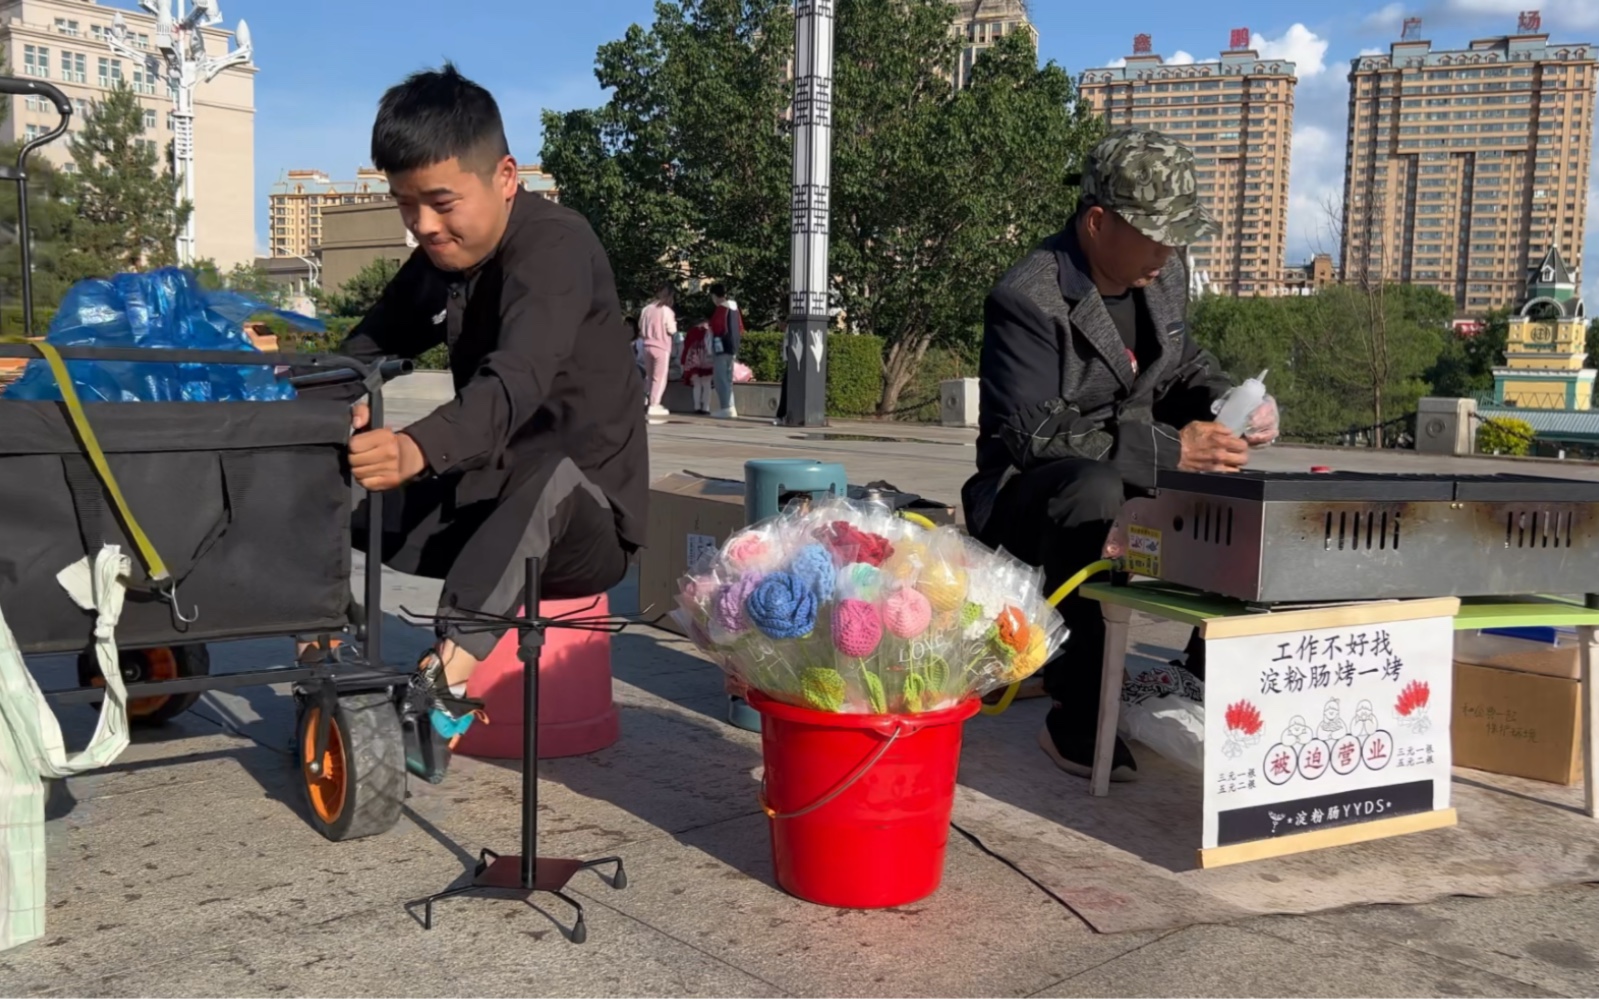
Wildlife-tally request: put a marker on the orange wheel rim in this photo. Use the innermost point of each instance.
(159, 664)
(327, 788)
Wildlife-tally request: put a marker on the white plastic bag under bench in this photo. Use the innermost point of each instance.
(31, 746)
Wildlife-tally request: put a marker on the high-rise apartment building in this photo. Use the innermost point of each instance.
(1465, 166)
(63, 42)
(1237, 115)
(296, 202)
(982, 23)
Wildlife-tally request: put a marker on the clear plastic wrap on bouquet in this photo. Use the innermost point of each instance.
(843, 606)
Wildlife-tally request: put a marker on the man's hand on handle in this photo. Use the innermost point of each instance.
(381, 459)
(1211, 447)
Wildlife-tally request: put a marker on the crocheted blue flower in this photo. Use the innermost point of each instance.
(814, 567)
(783, 606)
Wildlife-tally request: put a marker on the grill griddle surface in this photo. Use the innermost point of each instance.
(1378, 487)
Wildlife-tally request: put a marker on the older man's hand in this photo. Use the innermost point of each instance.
(1211, 447)
(1262, 426)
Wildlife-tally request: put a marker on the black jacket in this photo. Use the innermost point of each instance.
(542, 360)
(1056, 381)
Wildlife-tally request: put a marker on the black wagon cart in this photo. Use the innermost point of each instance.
(236, 516)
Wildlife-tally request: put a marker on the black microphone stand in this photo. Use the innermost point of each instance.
(519, 877)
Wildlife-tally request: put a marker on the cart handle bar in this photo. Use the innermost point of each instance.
(23, 87)
(333, 363)
(16, 85)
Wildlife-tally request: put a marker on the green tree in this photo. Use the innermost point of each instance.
(253, 280)
(124, 193)
(686, 169)
(1373, 347)
(689, 159)
(937, 192)
(1464, 368)
(361, 292)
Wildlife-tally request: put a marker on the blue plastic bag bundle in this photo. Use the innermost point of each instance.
(166, 308)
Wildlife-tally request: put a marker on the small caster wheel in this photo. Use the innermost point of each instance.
(580, 932)
(620, 881)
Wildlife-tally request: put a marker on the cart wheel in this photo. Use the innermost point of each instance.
(141, 665)
(359, 787)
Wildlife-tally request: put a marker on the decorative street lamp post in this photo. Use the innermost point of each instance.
(805, 350)
(185, 64)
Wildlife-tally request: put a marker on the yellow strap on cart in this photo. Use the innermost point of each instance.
(80, 421)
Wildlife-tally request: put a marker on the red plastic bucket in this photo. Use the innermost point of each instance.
(859, 805)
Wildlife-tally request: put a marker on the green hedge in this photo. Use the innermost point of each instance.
(1505, 435)
(854, 369)
(11, 320)
(339, 327)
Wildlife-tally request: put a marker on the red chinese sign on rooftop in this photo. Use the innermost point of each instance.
(1142, 45)
(1240, 39)
(1529, 23)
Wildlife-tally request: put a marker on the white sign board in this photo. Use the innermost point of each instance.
(1314, 729)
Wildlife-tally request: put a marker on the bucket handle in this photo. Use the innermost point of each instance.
(845, 785)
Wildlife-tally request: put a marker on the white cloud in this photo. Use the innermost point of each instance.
(1300, 45)
(1179, 58)
(1373, 50)
(1116, 63)
(1558, 15)
(1316, 183)
(1388, 20)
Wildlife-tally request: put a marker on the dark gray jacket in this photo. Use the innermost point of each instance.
(1056, 381)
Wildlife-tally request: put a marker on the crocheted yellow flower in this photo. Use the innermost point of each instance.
(944, 585)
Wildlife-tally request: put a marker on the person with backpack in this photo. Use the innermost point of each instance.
(727, 329)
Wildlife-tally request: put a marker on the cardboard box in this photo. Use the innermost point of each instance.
(1518, 709)
(689, 514)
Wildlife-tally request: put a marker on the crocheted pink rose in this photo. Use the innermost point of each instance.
(748, 550)
(907, 613)
(856, 628)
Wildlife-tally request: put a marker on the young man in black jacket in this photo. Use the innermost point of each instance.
(1090, 383)
(543, 451)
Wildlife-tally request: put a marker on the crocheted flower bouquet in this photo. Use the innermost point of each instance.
(844, 607)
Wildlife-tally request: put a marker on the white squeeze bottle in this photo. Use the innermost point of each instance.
(1234, 408)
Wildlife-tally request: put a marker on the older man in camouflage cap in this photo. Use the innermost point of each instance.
(1090, 383)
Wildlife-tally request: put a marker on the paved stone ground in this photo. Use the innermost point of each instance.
(187, 869)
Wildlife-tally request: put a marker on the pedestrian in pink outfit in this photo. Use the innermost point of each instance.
(657, 326)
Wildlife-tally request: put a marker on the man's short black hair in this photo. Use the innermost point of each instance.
(718, 291)
(435, 116)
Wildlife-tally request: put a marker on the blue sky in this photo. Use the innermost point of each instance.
(324, 65)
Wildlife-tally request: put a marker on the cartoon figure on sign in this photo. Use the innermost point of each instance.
(1412, 706)
(1243, 728)
(1332, 723)
(1297, 733)
(1365, 721)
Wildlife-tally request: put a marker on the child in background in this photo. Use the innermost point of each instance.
(697, 370)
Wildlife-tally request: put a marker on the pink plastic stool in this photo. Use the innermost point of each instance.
(576, 713)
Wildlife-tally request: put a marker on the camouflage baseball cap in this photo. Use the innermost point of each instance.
(1148, 179)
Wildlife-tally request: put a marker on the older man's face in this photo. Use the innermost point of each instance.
(1121, 253)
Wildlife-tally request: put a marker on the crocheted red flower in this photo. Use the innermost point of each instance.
(851, 544)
